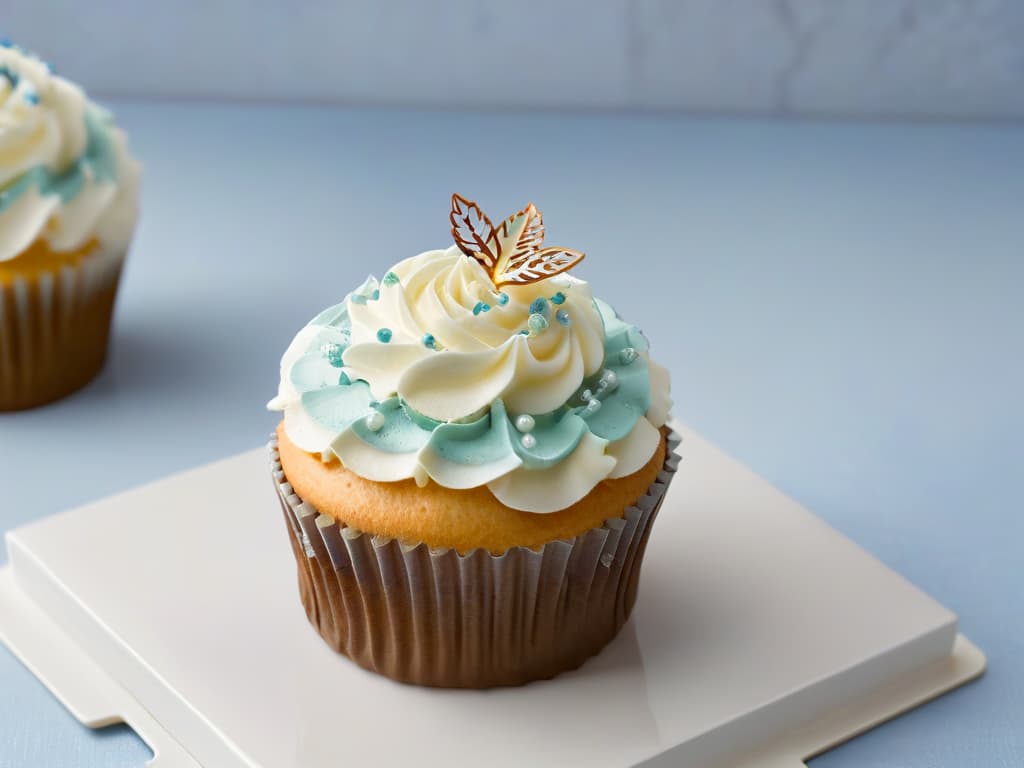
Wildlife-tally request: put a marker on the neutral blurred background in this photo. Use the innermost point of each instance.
(902, 58)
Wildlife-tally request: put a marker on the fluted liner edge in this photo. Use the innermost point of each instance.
(475, 620)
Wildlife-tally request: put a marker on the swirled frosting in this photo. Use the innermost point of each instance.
(65, 172)
(537, 391)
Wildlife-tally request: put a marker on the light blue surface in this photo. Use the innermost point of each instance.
(840, 307)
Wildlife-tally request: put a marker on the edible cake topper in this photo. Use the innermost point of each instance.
(511, 253)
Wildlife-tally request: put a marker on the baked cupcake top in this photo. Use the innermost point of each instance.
(65, 173)
(481, 364)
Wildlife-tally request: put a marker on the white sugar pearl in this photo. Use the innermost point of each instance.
(610, 379)
(525, 423)
(374, 421)
(528, 441)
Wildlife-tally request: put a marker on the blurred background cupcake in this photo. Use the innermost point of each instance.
(68, 205)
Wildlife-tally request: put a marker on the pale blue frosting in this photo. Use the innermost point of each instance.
(338, 405)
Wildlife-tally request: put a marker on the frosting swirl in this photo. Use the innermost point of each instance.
(456, 344)
(65, 172)
(537, 391)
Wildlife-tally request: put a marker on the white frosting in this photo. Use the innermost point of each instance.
(559, 486)
(483, 356)
(43, 125)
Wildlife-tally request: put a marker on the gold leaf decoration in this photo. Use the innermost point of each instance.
(519, 236)
(539, 265)
(473, 232)
(511, 253)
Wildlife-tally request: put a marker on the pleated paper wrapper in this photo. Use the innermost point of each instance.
(475, 620)
(54, 328)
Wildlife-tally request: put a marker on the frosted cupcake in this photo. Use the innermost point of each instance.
(471, 457)
(68, 191)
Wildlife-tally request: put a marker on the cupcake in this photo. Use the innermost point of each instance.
(471, 456)
(68, 192)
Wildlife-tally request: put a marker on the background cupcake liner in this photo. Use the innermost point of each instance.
(54, 328)
(436, 617)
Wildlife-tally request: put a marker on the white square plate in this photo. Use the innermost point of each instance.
(761, 637)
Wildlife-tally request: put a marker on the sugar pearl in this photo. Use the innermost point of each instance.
(537, 323)
(525, 423)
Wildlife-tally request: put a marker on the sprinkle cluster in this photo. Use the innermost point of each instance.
(540, 314)
(333, 353)
(538, 321)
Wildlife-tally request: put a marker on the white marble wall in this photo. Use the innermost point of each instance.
(961, 58)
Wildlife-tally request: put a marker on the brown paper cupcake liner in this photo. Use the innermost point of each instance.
(440, 618)
(54, 328)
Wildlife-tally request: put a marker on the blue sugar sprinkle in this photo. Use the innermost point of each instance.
(558, 298)
(562, 316)
(375, 295)
(539, 306)
(503, 298)
(481, 307)
(333, 354)
(384, 335)
(429, 341)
